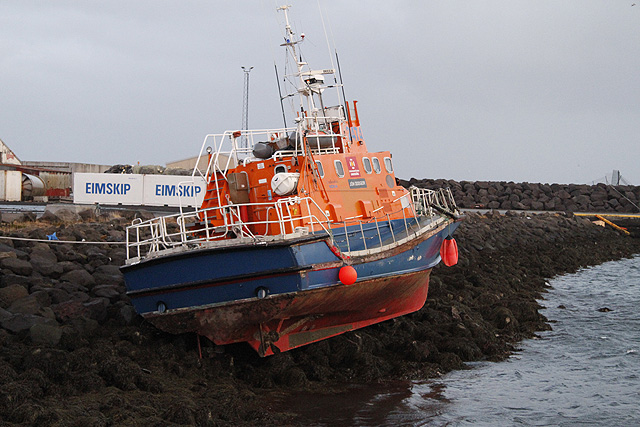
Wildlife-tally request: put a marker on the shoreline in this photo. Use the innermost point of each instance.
(73, 351)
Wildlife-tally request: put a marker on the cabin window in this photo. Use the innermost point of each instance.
(367, 165)
(339, 168)
(388, 165)
(376, 164)
(320, 168)
(280, 169)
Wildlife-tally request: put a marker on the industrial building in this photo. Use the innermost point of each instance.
(38, 181)
(43, 181)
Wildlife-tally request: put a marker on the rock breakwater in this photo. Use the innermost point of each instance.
(73, 351)
(537, 197)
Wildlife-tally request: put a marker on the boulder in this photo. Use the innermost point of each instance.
(49, 216)
(23, 322)
(97, 309)
(17, 265)
(8, 279)
(79, 277)
(25, 305)
(67, 215)
(46, 267)
(107, 291)
(45, 334)
(70, 310)
(10, 294)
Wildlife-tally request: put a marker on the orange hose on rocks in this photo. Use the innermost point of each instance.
(617, 227)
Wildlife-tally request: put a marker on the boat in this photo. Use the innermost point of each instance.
(303, 234)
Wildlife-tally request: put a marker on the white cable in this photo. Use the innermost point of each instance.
(61, 241)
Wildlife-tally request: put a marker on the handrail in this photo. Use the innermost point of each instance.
(152, 237)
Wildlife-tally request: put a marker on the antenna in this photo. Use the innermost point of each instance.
(284, 118)
(245, 106)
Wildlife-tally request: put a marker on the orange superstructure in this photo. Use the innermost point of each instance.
(345, 180)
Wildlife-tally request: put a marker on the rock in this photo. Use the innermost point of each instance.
(42, 296)
(12, 293)
(14, 279)
(4, 314)
(18, 266)
(49, 216)
(504, 318)
(69, 266)
(26, 305)
(46, 334)
(97, 309)
(70, 310)
(43, 250)
(88, 214)
(108, 275)
(26, 217)
(127, 314)
(79, 277)
(46, 267)
(107, 291)
(57, 295)
(67, 215)
(8, 254)
(23, 322)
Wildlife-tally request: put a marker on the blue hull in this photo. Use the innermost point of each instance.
(174, 290)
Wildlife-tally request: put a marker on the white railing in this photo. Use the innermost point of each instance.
(195, 229)
(290, 217)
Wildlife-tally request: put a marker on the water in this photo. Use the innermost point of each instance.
(584, 372)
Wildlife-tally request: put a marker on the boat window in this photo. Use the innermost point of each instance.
(339, 168)
(367, 165)
(280, 169)
(320, 168)
(388, 165)
(376, 164)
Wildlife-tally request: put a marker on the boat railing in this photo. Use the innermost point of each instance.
(288, 218)
(395, 228)
(226, 150)
(425, 201)
(292, 217)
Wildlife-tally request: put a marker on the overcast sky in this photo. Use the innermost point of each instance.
(510, 90)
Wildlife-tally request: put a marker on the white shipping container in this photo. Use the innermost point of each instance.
(136, 189)
(107, 188)
(173, 190)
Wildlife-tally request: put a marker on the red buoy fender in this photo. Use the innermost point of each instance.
(449, 251)
(348, 275)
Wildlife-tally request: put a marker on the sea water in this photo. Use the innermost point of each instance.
(586, 371)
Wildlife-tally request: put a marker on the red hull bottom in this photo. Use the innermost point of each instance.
(283, 322)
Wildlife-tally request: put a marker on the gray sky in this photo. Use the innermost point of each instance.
(509, 90)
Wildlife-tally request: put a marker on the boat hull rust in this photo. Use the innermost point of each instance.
(284, 322)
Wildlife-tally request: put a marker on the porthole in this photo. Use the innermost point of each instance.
(280, 169)
(388, 165)
(367, 165)
(339, 168)
(376, 165)
(320, 168)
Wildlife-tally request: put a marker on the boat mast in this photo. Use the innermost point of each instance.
(302, 87)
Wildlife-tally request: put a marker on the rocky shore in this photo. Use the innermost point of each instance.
(74, 352)
(537, 197)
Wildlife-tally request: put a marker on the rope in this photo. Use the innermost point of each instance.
(61, 241)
